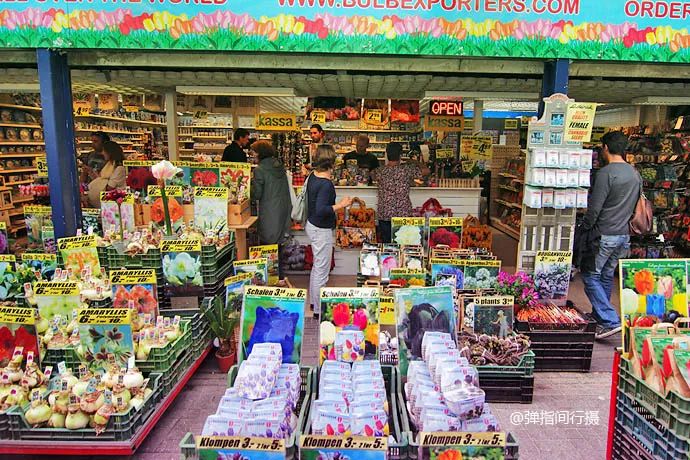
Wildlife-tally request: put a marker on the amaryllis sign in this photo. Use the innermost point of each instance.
(622, 30)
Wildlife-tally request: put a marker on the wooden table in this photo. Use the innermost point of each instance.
(241, 236)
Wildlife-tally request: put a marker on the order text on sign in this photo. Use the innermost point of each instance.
(477, 148)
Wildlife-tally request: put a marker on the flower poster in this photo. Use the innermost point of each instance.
(446, 231)
(234, 290)
(36, 218)
(453, 267)
(204, 175)
(489, 315)
(388, 332)
(56, 298)
(651, 287)
(420, 310)
(349, 308)
(91, 221)
(211, 208)
(106, 333)
(17, 329)
(236, 178)
(408, 277)
(79, 253)
(257, 267)
(118, 215)
(552, 274)
(4, 241)
(136, 290)
(43, 263)
(182, 268)
(273, 315)
(481, 273)
(173, 194)
(270, 253)
(407, 231)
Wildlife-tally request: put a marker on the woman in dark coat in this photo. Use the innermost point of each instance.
(271, 190)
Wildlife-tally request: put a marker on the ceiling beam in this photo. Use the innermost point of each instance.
(628, 70)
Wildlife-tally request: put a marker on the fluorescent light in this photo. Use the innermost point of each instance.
(484, 95)
(660, 100)
(234, 91)
(19, 88)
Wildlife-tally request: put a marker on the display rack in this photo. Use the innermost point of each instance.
(21, 143)
(204, 137)
(507, 211)
(344, 140)
(110, 448)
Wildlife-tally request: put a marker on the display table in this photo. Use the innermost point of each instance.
(241, 236)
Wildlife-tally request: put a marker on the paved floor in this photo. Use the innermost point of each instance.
(567, 420)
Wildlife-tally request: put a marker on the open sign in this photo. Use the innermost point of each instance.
(446, 108)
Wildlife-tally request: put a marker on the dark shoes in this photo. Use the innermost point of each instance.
(604, 332)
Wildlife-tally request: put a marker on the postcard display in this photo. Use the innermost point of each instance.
(557, 176)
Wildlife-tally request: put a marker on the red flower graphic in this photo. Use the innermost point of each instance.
(21, 338)
(341, 314)
(446, 237)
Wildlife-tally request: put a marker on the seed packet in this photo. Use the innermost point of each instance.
(370, 424)
(349, 345)
(262, 428)
(452, 376)
(465, 401)
(369, 263)
(256, 380)
(217, 425)
(332, 424)
(483, 424)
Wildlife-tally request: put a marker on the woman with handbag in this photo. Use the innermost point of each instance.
(321, 209)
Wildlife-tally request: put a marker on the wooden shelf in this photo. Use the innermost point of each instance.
(22, 143)
(512, 176)
(22, 199)
(509, 188)
(17, 212)
(210, 137)
(508, 204)
(122, 119)
(21, 107)
(20, 182)
(204, 127)
(361, 130)
(22, 155)
(20, 125)
(496, 222)
(109, 131)
(20, 170)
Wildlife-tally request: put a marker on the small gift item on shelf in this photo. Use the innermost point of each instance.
(356, 225)
(432, 208)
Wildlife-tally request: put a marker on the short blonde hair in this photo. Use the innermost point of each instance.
(325, 158)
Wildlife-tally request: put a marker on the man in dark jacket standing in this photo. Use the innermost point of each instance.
(235, 151)
(270, 189)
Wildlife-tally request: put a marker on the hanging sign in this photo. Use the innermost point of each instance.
(107, 101)
(42, 166)
(276, 122)
(444, 123)
(579, 120)
(446, 108)
(597, 133)
(373, 115)
(510, 123)
(318, 116)
(319, 447)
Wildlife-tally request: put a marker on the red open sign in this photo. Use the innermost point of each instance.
(446, 108)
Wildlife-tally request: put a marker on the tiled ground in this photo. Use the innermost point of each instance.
(555, 394)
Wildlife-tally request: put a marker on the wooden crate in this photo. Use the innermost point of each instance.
(239, 213)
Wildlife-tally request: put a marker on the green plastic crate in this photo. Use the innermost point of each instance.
(152, 259)
(307, 387)
(171, 376)
(121, 427)
(214, 258)
(524, 368)
(672, 411)
(103, 256)
(214, 275)
(161, 359)
(53, 356)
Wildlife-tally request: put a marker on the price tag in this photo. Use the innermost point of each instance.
(477, 148)
(318, 116)
(42, 166)
(82, 111)
(311, 447)
(200, 114)
(510, 123)
(462, 445)
(131, 108)
(375, 115)
(442, 154)
(244, 447)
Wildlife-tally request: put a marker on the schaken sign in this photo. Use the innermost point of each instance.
(628, 30)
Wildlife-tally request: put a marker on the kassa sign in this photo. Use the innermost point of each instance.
(276, 122)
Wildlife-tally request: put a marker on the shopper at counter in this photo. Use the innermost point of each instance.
(271, 191)
(112, 176)
(235, 151)
(365, 160)
(394, 181)
(321, 209)
(612, 202)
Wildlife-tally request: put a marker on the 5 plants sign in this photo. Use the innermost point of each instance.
(56, 299)
(552, 274)
(258, 268)
(276, 315)
(388, 333)
(240, 448)
(407, 231)
(106, 334)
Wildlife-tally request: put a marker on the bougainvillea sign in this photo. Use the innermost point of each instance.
(632, 30)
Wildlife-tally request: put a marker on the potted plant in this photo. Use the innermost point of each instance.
(224, 322)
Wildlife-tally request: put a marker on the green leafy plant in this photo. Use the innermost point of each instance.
(223, 318)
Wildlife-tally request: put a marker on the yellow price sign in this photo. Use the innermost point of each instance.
(375, 115)
(318, 116)
(200, 114)
(82, 111)
(442, 154)
(42, 166)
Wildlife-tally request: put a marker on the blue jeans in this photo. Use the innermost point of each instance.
(599, 280)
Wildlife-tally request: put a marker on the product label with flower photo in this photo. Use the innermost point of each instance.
(173, 194)
(349, 309)
(4, 246)
(388, 332)
(489, 315)
(182, 268)
(41, 262)
(446, 231)
(91, 219)
(36, 218)
(552, 274)
(239, 447)
(654, 288)
(17, 329)
(106, 335)
(273, 314)
(136, 290)
(55, 298)
(470, 274)
(203, 174)
(420, 310)
(80, 252)
(408, 231)
(257, 267)
(117, 215)
(235, 177)
(407, 277)
(343, 448)
(234, 290)
(211, 208)
(457, 445)
(270, 253)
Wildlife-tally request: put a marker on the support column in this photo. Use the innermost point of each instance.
(478, 117)
(58, 131)
(555, 80)
(171, 119)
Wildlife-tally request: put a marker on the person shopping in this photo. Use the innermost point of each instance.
(112, 176)
(235, 151)
(321, 209)
(616, 189)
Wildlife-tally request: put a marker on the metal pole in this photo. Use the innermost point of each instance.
(555, 80)
(58, 129)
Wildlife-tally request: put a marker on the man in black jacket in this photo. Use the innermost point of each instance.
(235, 151)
